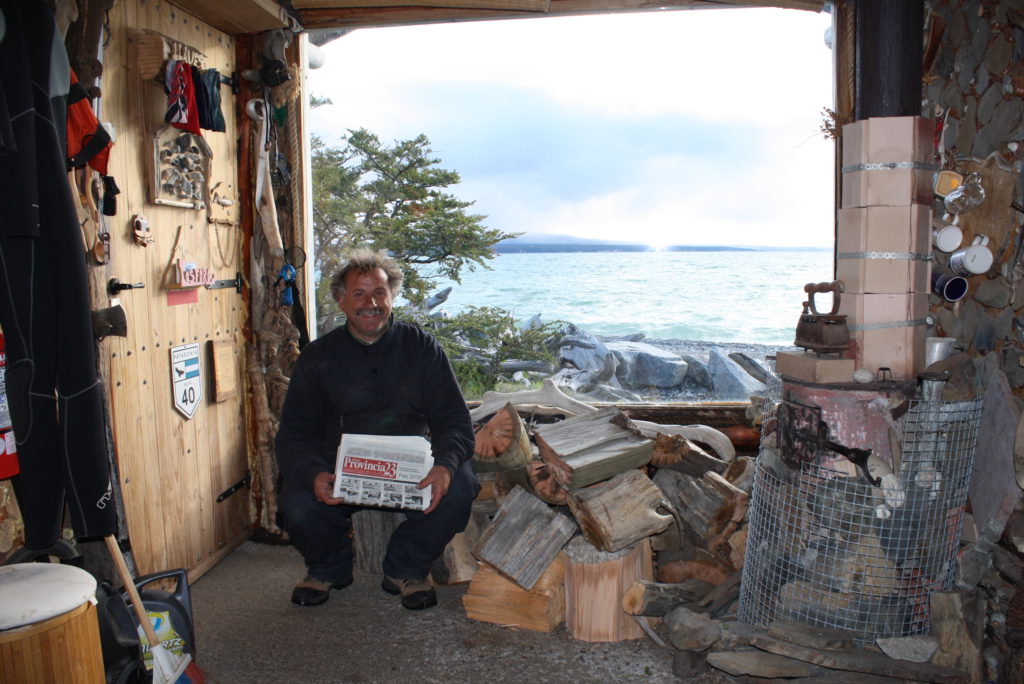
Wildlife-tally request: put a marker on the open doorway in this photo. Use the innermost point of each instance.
(691, 137)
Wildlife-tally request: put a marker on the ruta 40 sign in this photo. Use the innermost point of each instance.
(186, 383)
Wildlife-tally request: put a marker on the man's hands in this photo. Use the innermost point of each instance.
(439, 478)
(323, 489)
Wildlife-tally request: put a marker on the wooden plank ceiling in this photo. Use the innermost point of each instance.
(322, 14)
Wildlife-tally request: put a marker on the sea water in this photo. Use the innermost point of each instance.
(752, 297)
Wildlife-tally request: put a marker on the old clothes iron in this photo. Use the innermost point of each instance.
(818, 332)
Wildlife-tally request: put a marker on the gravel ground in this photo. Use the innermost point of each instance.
(247, 630)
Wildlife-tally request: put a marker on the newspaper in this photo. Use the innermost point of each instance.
(382, 470)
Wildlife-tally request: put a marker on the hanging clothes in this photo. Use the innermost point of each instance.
(88, 141)
(55, 398)
(211, 84)
(181, 97)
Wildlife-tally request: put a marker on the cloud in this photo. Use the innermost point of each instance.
(672, 126)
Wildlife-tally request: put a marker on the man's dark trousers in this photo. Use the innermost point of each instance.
(321, 532)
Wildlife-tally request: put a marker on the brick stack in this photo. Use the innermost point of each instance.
(883, 243)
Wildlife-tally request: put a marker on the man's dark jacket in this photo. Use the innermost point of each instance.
(400, 385)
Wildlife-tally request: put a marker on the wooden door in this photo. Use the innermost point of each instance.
(173, 469)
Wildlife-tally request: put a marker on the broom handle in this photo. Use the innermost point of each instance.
(129, 585)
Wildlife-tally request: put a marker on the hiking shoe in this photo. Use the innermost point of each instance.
(417, 594)
(312, 591)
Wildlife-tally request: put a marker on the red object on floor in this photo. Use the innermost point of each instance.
(8, 447)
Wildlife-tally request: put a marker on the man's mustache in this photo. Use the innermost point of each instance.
(375, 311)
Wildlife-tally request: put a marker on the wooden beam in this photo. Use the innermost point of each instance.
(516, 5)
(364, 17)
(236, 16)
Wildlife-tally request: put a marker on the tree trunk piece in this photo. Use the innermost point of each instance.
(595, 582)
(502, 443)
(614, 514)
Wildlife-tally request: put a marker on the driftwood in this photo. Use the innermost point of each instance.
(595, 582)
(524, 538)
(591, 448)
(548, 395)
(616, 513)
(656, 599)
(492, 598)
(716, 440)
(502, 443)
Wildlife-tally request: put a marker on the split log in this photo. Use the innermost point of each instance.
(548, 395)
(492, 598)
(535, 477)
(679, 453)
(524, 538)
(616, 513)
(656, 599)
(740, 473)
(703, 566)
(595, 582)
(502, 443)
(456, 563)
(591, 448)
(709, 507)
(724, 595)
(371, 531)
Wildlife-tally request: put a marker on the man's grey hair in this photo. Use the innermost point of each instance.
(363, 261)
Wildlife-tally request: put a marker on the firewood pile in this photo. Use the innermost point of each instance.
(623, 529)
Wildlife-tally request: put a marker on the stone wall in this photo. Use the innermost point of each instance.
(974, 88)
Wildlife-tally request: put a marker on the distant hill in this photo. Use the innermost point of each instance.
(545, 242)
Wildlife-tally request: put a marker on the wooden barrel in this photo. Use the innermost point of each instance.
(48, 626)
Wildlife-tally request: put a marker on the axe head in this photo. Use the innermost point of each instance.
(109, 321)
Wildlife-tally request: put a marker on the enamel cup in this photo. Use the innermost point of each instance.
(951, 286)
(947, 238)
(971, 260)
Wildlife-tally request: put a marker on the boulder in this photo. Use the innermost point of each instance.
(581, 350)
(644, 365)
(729, 378)
(697, 375)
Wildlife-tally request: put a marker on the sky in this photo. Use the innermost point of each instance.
(671, 127)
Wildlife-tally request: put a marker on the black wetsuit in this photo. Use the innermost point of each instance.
(55, 397)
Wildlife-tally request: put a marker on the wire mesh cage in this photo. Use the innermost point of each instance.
(828, 548)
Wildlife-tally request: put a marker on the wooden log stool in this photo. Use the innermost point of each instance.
(49, 631)
(595, 582)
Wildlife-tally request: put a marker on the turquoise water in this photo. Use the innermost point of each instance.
(750, 297)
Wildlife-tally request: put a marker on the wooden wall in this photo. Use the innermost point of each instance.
(172, 469)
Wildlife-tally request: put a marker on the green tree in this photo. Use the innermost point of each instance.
(393, 197)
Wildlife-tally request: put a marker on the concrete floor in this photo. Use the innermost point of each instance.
(247, 630)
